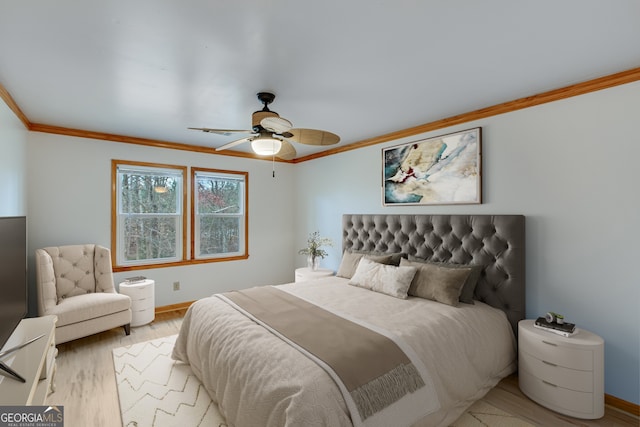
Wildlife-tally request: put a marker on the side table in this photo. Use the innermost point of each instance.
(304, 274)
(143, 304)
(565, 374)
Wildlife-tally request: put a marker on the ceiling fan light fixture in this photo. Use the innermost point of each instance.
(266, 146)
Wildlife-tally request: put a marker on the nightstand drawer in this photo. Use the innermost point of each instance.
(140, 291)
(142, 304)
(142, 317)
(570, 402)
(564, 377)
(557, 352)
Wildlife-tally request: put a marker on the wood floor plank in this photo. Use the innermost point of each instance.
(86, 383)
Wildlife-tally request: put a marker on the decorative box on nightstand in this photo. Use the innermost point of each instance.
(304, 274)
(565, 374)
(143, 304)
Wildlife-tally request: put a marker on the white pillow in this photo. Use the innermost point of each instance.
(386, 279)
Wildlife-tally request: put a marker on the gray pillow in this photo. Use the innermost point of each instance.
(395, 257)
(469, 287)
(437, 282)
(350, 262)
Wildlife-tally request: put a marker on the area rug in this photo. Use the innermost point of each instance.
(156, 391)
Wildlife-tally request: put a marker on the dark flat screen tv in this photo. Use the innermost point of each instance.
(13, 274)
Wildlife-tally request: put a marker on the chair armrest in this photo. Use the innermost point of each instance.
(45, 282)
(102, 270)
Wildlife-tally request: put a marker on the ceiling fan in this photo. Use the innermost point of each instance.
(272, 135)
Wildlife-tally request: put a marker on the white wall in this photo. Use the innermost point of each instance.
(13, 163)
(571, 168)
(69, 194)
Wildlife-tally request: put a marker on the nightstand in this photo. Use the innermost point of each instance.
(565, 374)
(305, 274)
(143, 304)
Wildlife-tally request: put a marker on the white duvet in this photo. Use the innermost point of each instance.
(259, 380)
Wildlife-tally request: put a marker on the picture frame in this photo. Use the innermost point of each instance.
(442, 170)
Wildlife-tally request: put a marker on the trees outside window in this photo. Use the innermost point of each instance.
(219, 213)
(149, 213)
(149, 216)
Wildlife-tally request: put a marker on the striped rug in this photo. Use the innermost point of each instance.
(156, 391)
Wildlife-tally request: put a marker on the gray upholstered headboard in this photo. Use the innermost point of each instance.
(495, 241)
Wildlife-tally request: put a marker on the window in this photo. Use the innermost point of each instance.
(149, 215)
(219, 203)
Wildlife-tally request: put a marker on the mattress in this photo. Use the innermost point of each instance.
(259, 380)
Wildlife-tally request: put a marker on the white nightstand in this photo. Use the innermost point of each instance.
(143, 306)
(304, 274)
(562, 374)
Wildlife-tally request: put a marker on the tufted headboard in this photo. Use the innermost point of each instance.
(495, 241)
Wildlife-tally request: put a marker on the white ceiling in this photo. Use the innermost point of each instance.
(358, 68)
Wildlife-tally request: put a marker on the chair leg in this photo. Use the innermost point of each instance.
(127, 329)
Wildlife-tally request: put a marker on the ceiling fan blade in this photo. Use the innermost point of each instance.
(287, 151)
(234, 143)
(225, 132)
(313, 137)
(276, 124)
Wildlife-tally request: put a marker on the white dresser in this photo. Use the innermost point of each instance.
(565, 374)
(36, 363)
(143, 306)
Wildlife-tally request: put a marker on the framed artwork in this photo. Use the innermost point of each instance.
(443, 170)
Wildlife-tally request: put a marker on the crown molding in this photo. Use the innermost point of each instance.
(11, 103)
(38, 127)
(577, 89)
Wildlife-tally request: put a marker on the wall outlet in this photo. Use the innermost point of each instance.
(176, 286)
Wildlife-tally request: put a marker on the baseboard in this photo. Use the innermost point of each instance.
(174, 307)
(623, 405)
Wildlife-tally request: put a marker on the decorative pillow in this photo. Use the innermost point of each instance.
(350, 262)
(436, 282)
(469, 286)
(395, 257)
(386, 279)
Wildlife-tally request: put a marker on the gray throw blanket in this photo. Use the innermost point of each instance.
(372, 367)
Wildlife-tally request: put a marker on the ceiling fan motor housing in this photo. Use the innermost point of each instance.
(257, 117)
(266, 98)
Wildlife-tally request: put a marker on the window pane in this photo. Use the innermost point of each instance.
(219, 235)
(219, 195)
(149, 193)
(150, 238)
(150, 213)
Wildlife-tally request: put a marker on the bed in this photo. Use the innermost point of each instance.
(257, 378)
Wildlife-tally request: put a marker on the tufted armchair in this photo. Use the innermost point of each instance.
(75, 283)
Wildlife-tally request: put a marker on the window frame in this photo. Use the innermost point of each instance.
(181, 241)
(244, 251)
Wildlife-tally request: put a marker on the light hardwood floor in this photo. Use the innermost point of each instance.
(86, 385)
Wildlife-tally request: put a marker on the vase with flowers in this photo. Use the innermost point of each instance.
(314, 251)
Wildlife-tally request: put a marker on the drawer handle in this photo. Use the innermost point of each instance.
(550, 343)
(549, 363)
(548, 383)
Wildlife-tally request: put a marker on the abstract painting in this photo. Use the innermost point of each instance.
(436, 171)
